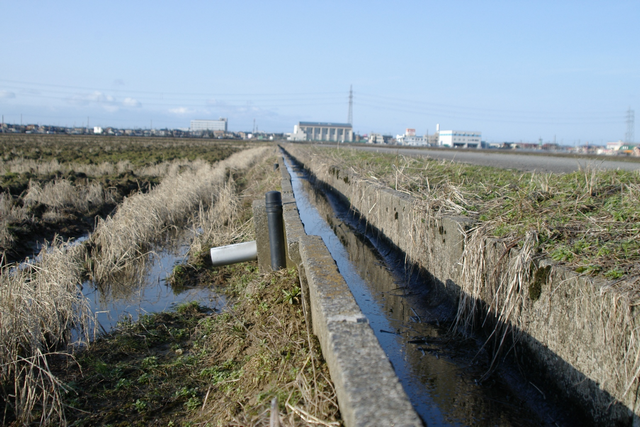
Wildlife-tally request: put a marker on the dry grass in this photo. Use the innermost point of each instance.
(10, 213)
(261, 350)
(52, 167)
(62, 194)
(39, 305)
(224, 218)
(58, 200)
(503, 286)
(142, 218)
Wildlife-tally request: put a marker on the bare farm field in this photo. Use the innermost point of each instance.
(59, 185)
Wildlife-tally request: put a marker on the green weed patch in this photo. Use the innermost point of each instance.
(193, 366)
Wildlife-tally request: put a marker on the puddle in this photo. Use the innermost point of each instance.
(143, 288)
(411, 322)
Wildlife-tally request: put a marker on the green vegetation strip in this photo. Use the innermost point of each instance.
(190, 367)
(587, 220)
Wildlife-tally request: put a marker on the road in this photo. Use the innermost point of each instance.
(527, 162)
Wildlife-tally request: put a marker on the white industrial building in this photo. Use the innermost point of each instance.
(322, 131)
(297, 134)
(459, 139)
(206, 125)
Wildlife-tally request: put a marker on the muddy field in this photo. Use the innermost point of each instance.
(60, 185)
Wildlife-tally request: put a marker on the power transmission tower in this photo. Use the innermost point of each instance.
(350, 117)
(628, 136)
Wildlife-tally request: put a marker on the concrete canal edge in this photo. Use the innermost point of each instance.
(368, 390)
(576, 332)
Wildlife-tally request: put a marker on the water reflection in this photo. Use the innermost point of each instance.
(411, 321)
(142, 287)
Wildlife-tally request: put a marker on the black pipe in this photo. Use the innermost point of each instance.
(276, 230)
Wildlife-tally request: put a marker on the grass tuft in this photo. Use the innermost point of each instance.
(39, 305)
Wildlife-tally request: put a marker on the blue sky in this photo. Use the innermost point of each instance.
(514, 70)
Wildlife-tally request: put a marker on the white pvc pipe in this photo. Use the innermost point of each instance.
(240, 252)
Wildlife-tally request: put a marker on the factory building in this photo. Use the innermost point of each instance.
(207, 125)
(459, 139)
(321, 131)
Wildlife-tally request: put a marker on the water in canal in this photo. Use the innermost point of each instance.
(438, 371)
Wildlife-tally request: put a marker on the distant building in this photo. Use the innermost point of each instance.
(614, 146)
(208, 125)
(410, 138)
(376, 138)
(459, 138)
(627, 149)
(323, 131)
(297, 135)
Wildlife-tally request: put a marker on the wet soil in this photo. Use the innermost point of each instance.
(30, 234)
(196, 365)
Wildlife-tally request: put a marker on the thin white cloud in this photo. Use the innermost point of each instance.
(87, 98)
(130, 102)
(181, 110)
(7, 94)
(98, 98)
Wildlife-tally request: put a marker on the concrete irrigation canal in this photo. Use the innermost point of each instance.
(386, 325)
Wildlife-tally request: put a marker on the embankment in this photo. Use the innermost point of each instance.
(576, 333)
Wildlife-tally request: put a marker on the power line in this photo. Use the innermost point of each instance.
(496, 118)
(437, 108)
(165, 93)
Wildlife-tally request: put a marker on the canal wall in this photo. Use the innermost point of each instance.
(577, 334)
(368, 391)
